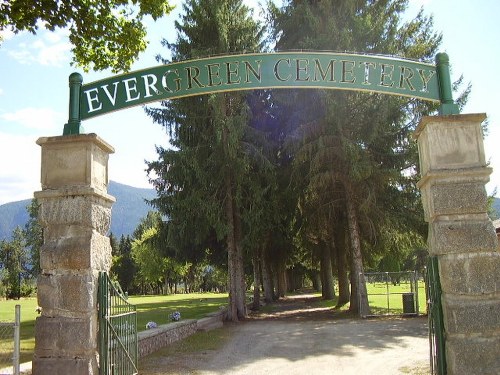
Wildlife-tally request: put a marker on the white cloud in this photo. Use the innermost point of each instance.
(6, 34)
(54, 55)
(56, 36)
(20, 172)
(493, 157)
(22, 56)
(35, 118)
(420, 3)
(48, 48)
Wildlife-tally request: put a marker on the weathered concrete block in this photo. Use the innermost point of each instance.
(70, 295)
(454, 193)
(64, 366)
(76, 160)
(68, 208)
(76, 248)
(470, 274)
(473, 355)
(65, 337)
(471, 316)
(454, 172)
(75, 212)
(459, 198)
(461, 236)
(450, 142)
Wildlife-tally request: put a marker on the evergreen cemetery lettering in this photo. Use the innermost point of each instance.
(323, 70)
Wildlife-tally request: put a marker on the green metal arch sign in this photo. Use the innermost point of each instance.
(359, 72)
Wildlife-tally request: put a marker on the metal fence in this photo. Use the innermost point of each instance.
(392, 293)
(10, 342)
(118, 344)
(436, 324)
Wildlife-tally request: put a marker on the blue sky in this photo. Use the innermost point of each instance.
(34, 74)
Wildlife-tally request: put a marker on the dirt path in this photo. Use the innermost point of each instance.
(299, 339)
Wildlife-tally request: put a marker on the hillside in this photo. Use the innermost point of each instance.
(129, 209)
(496, 206)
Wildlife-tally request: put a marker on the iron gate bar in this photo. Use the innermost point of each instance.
(436, 324)
(118, 352)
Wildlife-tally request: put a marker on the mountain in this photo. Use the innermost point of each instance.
(496, 206)
(12, 215)
(129, 209)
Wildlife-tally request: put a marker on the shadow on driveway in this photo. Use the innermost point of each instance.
(297, 338)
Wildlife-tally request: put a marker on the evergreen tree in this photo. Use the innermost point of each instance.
(33, 234)
(355, 149)
(202, 178)
(14, 261)
(124, 268)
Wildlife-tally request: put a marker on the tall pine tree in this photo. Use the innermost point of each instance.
(201, 178)
(354, 147)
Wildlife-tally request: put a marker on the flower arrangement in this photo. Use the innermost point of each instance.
(175, 316)
(150, 325)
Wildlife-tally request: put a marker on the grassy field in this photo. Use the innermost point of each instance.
(388, 298)
(191, 306)
(149, 308)
(28, 316)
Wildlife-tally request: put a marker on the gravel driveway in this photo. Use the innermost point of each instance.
(298, 339)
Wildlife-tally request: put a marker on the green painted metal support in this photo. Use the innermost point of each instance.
(118, 343)
(448, 106)
(103, 296)
(436, 323)
(74, 122)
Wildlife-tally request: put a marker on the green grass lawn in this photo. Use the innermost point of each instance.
(191, 306)
(27, 334)
(149, 308)
(388, 299)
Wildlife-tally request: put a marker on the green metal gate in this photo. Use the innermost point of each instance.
(118, 352)
(436, 326)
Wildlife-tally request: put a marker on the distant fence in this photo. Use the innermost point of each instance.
(10, 342)
(393, 293)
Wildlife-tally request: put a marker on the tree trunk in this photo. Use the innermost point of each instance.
(165, 284)
(239, 266)
(256, 278)
(237, 307)
(295, 279)
(316, 280)
(327, 287)
(267, 280)
(236, 295)
(281, 279)
(340, 255)
(359, 295)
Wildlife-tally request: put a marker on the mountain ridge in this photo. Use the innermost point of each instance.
(130, 207)
(128, 210)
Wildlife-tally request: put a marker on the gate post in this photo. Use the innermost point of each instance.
(454, 172)
(75, 212)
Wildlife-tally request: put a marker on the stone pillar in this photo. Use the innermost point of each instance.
(75, 213)
(454, 174)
